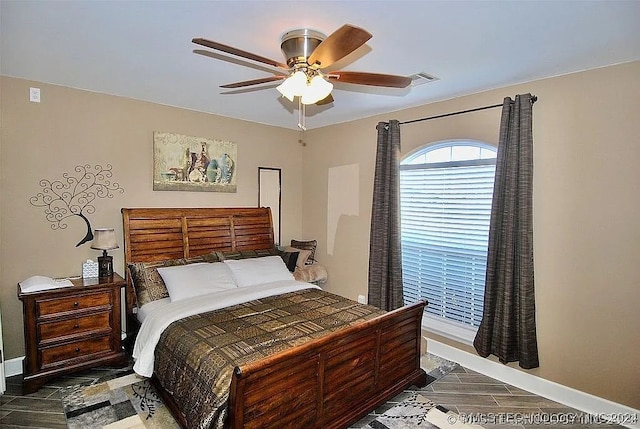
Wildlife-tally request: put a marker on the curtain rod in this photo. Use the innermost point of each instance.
(533, 100)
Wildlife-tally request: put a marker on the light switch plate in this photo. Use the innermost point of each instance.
(34, 95)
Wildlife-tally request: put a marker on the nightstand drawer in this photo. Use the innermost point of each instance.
(72, 303)
(78, 325)
(84, 348)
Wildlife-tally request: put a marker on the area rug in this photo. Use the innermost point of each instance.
(436, 367)
(419, 412)
(128, 402)
(131, 402)
(410, 413)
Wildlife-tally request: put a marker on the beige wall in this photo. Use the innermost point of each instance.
(587, 240)
(71, 127)
(586, 211)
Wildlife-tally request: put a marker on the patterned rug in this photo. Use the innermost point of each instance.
(418, 411)
(408, 414)
(130, 401)
(436, 367)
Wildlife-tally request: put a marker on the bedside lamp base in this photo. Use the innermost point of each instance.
(105, 266)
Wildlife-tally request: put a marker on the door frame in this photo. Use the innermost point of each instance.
(3, 383)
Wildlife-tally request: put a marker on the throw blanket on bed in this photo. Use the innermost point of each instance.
(195, 356)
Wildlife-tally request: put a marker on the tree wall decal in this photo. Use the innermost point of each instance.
(74, 196)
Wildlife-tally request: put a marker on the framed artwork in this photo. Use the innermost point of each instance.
(270, 195)
(187, 163)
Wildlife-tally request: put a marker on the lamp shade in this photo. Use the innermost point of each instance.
(318, 89)
(309, 91)
(293, 86)
(104, 239)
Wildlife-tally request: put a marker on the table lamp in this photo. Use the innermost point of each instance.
(104, 239)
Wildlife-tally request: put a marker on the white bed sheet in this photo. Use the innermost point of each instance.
(149, 307)
(160, 317)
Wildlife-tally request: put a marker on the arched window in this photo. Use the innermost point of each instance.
(445, 197)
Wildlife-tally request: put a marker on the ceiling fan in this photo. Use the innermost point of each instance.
(309, 54)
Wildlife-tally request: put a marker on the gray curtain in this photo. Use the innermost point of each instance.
(385, 258)
(508, 327)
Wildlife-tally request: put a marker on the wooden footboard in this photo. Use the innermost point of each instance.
(334, 380)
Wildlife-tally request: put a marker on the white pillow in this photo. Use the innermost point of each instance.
(186, 281)
(255, 271)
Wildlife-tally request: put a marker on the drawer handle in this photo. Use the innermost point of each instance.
(77, 349)
(76, 326)
(75, 304)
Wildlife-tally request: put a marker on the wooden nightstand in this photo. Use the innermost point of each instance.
(71, 328)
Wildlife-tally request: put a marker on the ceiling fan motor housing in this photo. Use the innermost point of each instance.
(297, 45)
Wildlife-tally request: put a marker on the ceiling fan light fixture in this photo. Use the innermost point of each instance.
(293, 86)
(285, 89)
(318, 89)
(309, 56)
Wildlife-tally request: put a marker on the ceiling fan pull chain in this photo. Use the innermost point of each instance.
(301, 115)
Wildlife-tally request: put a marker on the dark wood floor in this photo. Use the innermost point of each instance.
(461, 391)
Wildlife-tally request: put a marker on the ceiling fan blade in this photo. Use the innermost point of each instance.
(326, 100)
(338, 45)
(240, 61)
(238, 52)
(253, 82)
(372, 79)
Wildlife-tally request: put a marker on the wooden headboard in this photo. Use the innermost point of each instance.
(156, 234)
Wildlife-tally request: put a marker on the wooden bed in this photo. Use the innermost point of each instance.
(350, 371)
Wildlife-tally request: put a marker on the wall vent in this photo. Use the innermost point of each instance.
(420, 78)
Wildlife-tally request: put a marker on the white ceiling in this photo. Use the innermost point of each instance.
(143, 49)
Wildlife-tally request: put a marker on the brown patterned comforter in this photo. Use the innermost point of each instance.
(196, 355)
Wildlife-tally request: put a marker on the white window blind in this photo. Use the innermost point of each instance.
(445, 212)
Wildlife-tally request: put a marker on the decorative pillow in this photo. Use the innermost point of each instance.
(186, 281)
(207, 257)
(245, 254)
(303, 255)
(316, 274)
(254, 271)
(290, 259)
(148, 284)
(307, 245)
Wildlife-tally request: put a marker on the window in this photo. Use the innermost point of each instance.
(445, 197)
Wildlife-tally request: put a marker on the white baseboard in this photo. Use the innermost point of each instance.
(548, 389)
(13, 366)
